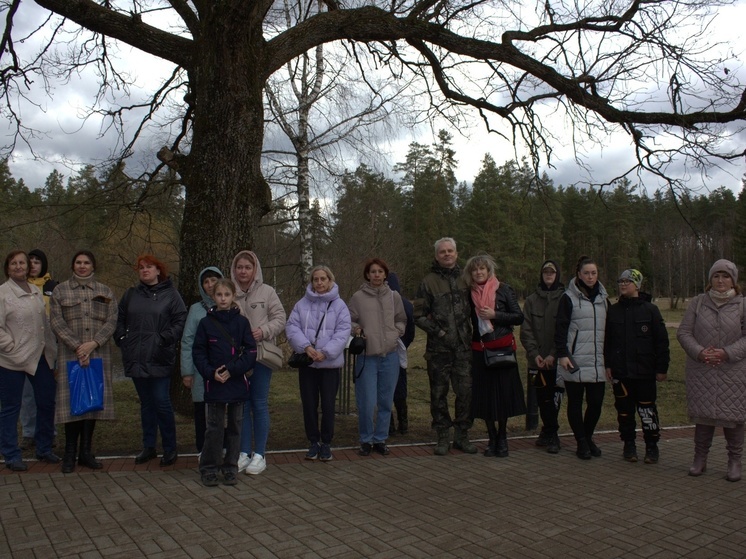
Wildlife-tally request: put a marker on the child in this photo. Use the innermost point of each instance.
(224, 353)
(637, 356)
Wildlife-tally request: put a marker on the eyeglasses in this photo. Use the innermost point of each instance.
(624, 282)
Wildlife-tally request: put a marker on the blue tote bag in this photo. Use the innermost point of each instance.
(86, 386)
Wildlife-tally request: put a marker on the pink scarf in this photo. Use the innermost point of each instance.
(484, 296)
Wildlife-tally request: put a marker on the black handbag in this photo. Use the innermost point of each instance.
(357, 344)
(499, 358)
(298, 360)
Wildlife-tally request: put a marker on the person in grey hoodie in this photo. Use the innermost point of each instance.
(378, 313)
(206, 281)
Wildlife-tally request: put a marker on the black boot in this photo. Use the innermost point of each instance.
(86, 457)
(401, 415)
(72, 432)
(501, 446)
(491, 449)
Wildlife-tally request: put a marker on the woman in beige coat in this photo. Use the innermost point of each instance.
(378, 312)
(261, 305)
(713, 335)
(83, 317)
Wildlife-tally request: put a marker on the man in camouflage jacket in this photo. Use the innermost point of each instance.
(442, 310)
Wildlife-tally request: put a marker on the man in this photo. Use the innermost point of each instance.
(40, 277)
(537, 337)
(636, 356)
(442, 310)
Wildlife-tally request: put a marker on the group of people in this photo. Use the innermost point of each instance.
(575, 342)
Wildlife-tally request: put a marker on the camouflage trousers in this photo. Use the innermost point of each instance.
(453, 368)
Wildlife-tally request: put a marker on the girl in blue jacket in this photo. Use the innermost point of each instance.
(224, 353)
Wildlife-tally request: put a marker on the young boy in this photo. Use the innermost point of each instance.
(636, 356)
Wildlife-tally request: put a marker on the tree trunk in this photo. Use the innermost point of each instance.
(226, 194)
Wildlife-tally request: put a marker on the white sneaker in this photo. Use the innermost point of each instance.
(257, 465)
(243, 461)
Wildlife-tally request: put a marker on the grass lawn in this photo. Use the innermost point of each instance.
(123, 436)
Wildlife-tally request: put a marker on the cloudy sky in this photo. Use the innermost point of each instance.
(68, 140)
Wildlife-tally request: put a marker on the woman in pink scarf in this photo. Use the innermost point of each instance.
(497, 393)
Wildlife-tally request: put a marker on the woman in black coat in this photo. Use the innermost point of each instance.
(149, 326)
(497, 394)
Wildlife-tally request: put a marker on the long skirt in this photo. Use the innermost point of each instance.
(496, 393)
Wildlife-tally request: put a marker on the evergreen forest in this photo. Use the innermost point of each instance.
(507, 210)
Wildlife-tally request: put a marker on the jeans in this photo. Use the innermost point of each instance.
(376, 377)
(255, 430)
(212, 451)
(11, 393)
(315, 385)
(156, 412)
(28, 411)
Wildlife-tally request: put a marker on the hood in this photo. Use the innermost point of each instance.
(330, 295)
(573, 288)
(43, 258)
(224, 316)
(207, 301)
(393, 281)
(556, 285)
(258, 276)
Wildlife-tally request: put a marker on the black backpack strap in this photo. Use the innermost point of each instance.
(223, 331)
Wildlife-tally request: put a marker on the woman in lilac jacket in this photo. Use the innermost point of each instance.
(319, 326)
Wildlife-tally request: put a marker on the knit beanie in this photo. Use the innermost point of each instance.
(726, 266)
(635, 276)
(43, 258)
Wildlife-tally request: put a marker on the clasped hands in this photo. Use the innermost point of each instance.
(713, 356)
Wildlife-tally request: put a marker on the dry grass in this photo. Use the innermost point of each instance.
(123, 437)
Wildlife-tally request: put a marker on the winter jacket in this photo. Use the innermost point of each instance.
(443, 311)
(507, 314)
(537, 332)
(636, 341)
(579, 331)
(331, 313)
(212, 348)
(260, 303)
(197, 312)
(715, 393)
(149, 326)
(24, 329)
(380, 313)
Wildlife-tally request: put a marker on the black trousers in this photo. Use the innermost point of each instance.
(318, 385)
(637, 395)
(584, 424)
(548, 398)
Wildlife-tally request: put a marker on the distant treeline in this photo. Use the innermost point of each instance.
(509, 212)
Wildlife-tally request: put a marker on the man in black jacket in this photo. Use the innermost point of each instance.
(636, 356)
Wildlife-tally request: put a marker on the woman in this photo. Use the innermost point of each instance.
(151, 320)
(377, 313)
(190, 377)
(27, 347)
(713, 335)
(83, 317)
(319, 326)
(261, 305)
(497, 394)
(579, 333)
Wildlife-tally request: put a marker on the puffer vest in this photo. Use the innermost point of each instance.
(585, 336)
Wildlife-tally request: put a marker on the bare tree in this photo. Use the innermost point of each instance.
(600, 63)
(329, 105)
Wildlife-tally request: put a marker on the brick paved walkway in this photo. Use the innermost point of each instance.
(408, 504)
